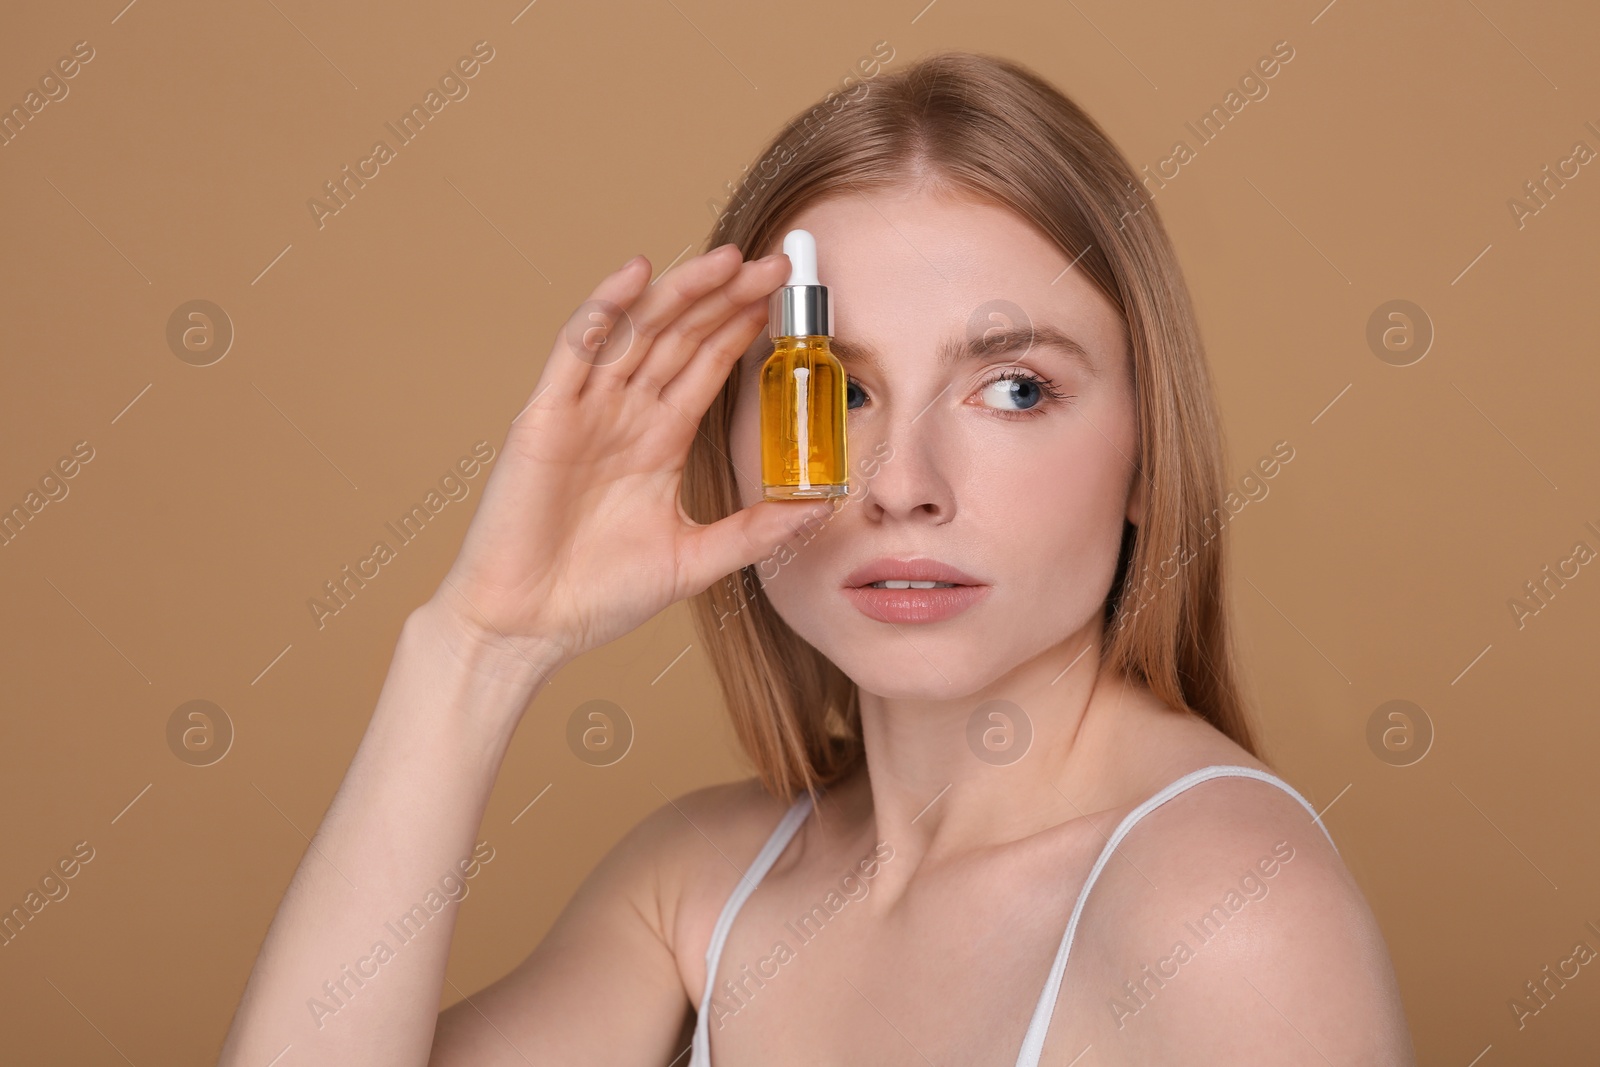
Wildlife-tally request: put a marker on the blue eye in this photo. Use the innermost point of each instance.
(849, 403)
(1025, 392)
(1029, 390)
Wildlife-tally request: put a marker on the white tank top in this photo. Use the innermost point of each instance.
(1033, 1040)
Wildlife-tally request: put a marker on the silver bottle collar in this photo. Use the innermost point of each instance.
(799, 311)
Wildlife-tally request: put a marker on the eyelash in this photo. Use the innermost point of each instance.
(1052, 394)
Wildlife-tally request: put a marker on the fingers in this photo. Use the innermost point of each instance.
(599, 320)
(630, 330)
(678, 341)
(657, 307)
(697, 384)
(747, 536)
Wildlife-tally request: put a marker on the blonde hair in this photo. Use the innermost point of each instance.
(991, 129)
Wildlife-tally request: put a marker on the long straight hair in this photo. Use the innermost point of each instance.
(991, 129)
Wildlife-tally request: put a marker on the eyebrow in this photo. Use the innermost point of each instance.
(991, 345)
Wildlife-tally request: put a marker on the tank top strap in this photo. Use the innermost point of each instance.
(700, 1054)
(1033, 1040)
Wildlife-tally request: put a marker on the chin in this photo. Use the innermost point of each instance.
(914, 667)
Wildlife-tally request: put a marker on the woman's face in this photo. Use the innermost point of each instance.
(950, 461)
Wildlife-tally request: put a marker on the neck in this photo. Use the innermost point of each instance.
(946, 779)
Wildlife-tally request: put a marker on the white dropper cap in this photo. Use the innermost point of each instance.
(801, 248)
(800, 307)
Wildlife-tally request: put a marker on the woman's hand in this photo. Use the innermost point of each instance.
(580, 536)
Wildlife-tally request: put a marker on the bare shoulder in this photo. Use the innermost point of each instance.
(727, 822)
(1230, 930)
(677, 836)
(694, 841)
(700, 843)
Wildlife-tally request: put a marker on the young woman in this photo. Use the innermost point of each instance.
(1013, 823)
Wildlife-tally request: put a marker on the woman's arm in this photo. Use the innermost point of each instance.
(580, 537)
(406, 815)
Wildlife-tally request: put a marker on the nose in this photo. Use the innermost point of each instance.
(908, 460)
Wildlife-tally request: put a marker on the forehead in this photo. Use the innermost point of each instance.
(909, 270)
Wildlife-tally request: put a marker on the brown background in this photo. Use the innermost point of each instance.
(375, 351)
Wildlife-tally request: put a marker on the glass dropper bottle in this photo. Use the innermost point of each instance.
(802, 388)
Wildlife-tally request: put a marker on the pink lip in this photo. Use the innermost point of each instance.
(915, 605)
(912, 605)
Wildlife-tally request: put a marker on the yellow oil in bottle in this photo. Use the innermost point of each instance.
(802, 393)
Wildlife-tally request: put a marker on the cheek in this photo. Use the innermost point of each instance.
(1095, 468)
(1061, 516)
(1064, 487)
(797, 582)
(784, 575)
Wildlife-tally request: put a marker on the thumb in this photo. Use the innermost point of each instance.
(749, 535)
